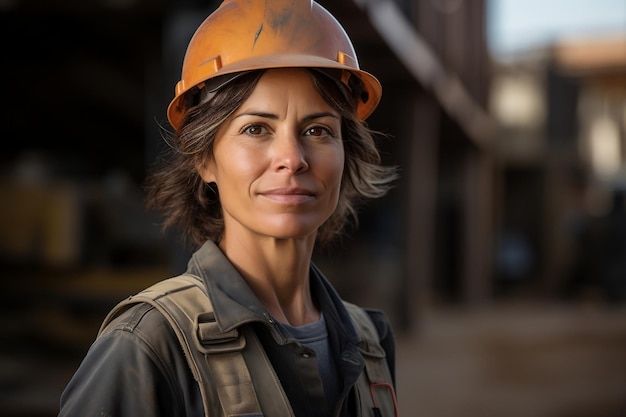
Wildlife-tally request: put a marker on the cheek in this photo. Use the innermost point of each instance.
(237, 166)
(336, 165)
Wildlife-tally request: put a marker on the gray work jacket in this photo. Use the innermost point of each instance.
(136, 366)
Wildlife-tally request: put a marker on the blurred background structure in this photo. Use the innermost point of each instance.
(500, 256)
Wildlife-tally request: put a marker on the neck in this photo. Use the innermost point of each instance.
(277, 270)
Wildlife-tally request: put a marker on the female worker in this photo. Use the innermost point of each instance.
(269, 155)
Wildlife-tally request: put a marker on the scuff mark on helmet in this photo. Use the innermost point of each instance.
(257, 34)
(280, 18)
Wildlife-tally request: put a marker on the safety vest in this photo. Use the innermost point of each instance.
(218, 360)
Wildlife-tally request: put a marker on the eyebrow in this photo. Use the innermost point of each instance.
(272, 116)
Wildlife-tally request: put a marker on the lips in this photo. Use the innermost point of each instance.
(289, 195)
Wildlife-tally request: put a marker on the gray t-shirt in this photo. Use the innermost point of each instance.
(315, 337)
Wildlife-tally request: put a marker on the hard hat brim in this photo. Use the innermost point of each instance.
(371, 85)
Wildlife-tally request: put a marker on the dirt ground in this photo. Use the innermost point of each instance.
(515, 361)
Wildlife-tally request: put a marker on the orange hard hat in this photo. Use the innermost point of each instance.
(243, 35)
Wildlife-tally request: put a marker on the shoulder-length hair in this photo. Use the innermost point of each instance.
(175, 188)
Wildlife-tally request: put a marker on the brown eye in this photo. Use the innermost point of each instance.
(254, 130)
(317, 131)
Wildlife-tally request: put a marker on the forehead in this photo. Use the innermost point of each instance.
(288, 85)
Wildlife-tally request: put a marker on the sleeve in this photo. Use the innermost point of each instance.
(132, 369)
(387, 340)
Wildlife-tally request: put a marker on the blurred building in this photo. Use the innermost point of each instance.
(561, 113)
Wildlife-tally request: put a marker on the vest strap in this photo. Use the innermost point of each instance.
(376, 380)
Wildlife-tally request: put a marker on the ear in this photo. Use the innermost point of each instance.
(206, 170)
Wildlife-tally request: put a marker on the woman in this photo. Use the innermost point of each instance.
(270, 154)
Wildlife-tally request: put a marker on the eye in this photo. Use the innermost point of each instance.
(254, 130)
(318, 131)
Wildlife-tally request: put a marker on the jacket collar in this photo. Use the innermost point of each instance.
(234, 302)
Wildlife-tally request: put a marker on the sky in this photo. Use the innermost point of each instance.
(517, 25)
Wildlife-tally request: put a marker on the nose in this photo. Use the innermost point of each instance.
(289, 154)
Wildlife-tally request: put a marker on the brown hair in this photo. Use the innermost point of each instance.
(175, 188)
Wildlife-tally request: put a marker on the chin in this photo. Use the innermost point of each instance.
(293, 230)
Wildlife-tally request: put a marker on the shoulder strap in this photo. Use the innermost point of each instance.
(216, 359)
(375, 384)
(160, 295)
